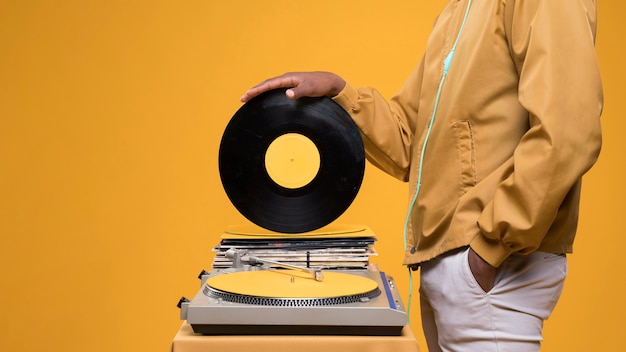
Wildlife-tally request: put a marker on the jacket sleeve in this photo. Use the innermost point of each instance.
(386, 126)
(552, 45)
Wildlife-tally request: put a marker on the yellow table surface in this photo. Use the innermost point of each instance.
(187, 341)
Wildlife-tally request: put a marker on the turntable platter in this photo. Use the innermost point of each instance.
(291, 284)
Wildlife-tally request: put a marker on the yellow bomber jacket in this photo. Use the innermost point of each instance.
(517, 125)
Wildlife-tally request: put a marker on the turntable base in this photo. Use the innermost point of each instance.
(349, 307)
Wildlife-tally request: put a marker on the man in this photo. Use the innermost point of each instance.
(493, 130)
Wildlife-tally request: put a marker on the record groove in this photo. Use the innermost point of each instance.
(258, 197)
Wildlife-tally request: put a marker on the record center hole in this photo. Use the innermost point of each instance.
(292, 160)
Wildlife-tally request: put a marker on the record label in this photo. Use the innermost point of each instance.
(292, 160)
(291, 165)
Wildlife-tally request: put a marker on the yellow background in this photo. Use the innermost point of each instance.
(111, 113)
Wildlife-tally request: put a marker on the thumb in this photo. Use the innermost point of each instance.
(291, 93)
(304, 89)
(299, 91)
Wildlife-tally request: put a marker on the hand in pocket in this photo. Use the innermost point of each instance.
(483, 272)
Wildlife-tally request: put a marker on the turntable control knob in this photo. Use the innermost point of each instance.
(183, 304)
(181, 301)
(203, 273)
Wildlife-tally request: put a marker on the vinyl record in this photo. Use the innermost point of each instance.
(291, 166)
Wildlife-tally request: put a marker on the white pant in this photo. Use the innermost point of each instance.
(457, 315)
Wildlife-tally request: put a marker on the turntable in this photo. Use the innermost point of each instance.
(292, 167)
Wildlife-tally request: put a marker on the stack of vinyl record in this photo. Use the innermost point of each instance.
(333, 247)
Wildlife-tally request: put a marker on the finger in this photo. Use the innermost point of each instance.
(304, 88)
(283, 81)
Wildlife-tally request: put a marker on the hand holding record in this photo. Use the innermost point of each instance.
(291, 165)
(300, 84)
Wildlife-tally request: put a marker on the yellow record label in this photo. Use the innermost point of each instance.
(292, 160)
(291, 284)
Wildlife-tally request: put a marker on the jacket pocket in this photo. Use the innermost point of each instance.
(465, 153)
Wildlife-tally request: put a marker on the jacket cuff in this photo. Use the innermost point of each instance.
(493, 252)
(347, 98)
